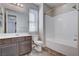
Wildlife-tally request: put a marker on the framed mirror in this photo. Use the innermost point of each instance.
(1, 21)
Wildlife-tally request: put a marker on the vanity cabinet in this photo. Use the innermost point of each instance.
(24, 47)
(0, 51)
(15, 46)
(9, 50)
(0, 42)
(6, 41)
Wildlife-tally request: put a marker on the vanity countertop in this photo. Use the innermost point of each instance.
(11, 35)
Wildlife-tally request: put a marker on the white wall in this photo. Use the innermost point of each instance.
(61, 31)
(78, 31)
(41, 24)
(1, 25)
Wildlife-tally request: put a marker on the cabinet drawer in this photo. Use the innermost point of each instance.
(28, 38)
(20, 39)
(14, 40)
(0, 41)
(6, 41)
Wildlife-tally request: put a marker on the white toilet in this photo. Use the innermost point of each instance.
(38, 43)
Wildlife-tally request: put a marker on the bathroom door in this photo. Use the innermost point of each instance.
(11, 24)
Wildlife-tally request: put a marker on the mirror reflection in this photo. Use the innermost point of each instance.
(18, 19)
(1, 21)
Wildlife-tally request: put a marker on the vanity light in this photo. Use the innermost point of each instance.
(18, 4)
(21, 5)
(15, 3)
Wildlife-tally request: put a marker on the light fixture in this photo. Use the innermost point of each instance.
(21, 5)
(18, 4)
(14, 3)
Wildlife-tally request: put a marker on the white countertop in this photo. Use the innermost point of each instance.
(11, 35)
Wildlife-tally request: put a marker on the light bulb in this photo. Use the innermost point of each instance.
(18, 4)
(21, 5)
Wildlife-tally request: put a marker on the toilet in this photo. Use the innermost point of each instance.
(37, 43)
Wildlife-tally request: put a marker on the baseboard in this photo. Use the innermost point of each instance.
(52, 52)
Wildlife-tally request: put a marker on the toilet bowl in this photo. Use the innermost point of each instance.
(38, 46)
(38, 43)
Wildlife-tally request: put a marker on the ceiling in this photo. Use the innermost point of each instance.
(49, 6)
(52, 5)
(37, 4)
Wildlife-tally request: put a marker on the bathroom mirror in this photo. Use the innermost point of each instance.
(16, 22)
(12, 21)
(1, 21)
(15, 19)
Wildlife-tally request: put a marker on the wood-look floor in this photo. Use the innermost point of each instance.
(52, 52)
(45, 52)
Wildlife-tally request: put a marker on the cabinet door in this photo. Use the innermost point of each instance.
(28, 38)
(23, 48)
(29, 42)
(0, 50)
(0, 46)
(9, 50)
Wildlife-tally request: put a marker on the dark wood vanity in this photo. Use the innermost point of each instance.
(15, 46)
